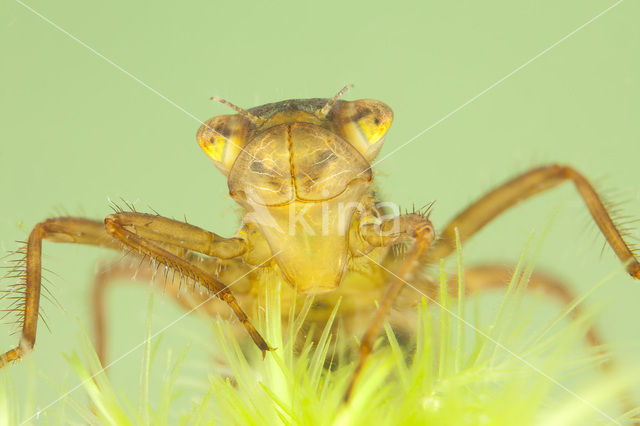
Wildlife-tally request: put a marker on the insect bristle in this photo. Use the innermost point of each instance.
(115, 207)
(60, 211)
(179, 276)
(16, 291)
(16, 273)
(42, 316)
(119, 209)
(425, 211)
(129, 205)
(153, 210)
(616, 202)
(400, 250)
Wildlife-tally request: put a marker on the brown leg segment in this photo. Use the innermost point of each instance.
(144, 273)
(522, 187)
(68, 229)
(166, 240)
(174, 233)
(422, 232)
(158, 232)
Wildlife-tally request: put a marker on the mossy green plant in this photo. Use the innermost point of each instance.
(457, 371)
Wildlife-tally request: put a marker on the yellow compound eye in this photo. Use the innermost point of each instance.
(222, 138)
(373, 128)
(364, 124)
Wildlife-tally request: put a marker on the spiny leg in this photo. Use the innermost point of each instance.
(144, 271)
(149, 235)
(169, 232)
(84, 231)
(67, 229)
(487, 208)
(408, 227)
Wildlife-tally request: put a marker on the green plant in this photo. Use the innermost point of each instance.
(457, 371)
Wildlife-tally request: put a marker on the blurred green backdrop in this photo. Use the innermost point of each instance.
(77, 128)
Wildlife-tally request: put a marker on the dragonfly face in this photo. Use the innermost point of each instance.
(300, 171)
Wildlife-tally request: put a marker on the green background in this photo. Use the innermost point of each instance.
(75, 130)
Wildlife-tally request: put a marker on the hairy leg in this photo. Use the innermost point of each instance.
(67, 229)
(164, 240)
(492, 204)
(159, 232)
(169, 284)
(411, 227)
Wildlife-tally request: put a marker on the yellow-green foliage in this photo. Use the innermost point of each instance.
(457, 372)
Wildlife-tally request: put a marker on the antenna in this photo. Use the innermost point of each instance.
(327, 108)
(246, 114)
